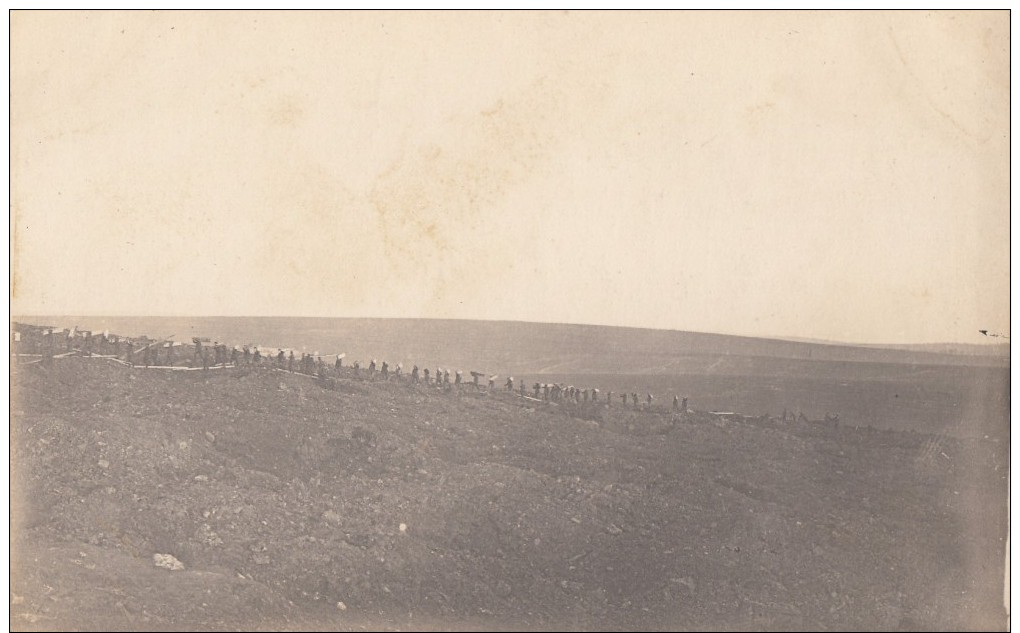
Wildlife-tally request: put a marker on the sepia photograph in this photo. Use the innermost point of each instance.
(509, 320)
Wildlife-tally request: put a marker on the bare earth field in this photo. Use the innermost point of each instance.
(283, 496)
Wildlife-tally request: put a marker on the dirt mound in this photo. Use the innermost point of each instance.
(295, 503)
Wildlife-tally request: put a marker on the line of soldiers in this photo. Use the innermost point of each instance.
(218, 354)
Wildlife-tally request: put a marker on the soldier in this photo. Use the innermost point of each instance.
(385, 371)
(371, 368)
(205, 360)
(545, 392)
(339, 363)
(594, 395)
(426, 374)
(585, 396)
(459, 378)
(290, 361)
(399, 371)
(649, 400)
(357, 367)
(414, 374)
(633, 397)
(279, 359)
(446, 377)
(537, 387)
(257, 356)
(683, 406)
(522, 388)
(676, 402)
(198, 350)
(510, 384)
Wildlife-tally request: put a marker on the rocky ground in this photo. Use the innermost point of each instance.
(278, 501)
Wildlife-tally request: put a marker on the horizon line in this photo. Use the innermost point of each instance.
(785, 338)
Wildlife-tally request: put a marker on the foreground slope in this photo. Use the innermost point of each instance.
(284, 497)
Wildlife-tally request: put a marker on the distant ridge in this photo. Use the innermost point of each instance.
(952, 349)
(503, 346)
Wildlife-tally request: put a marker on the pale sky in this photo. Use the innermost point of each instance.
(841, 176)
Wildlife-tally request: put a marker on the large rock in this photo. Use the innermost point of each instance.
(167, 561)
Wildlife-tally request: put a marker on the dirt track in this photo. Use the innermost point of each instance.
(284, 496)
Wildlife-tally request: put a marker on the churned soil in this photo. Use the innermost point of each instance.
(293, 502)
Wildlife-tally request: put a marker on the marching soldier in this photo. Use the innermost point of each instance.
(510, 384)
(414, 374)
